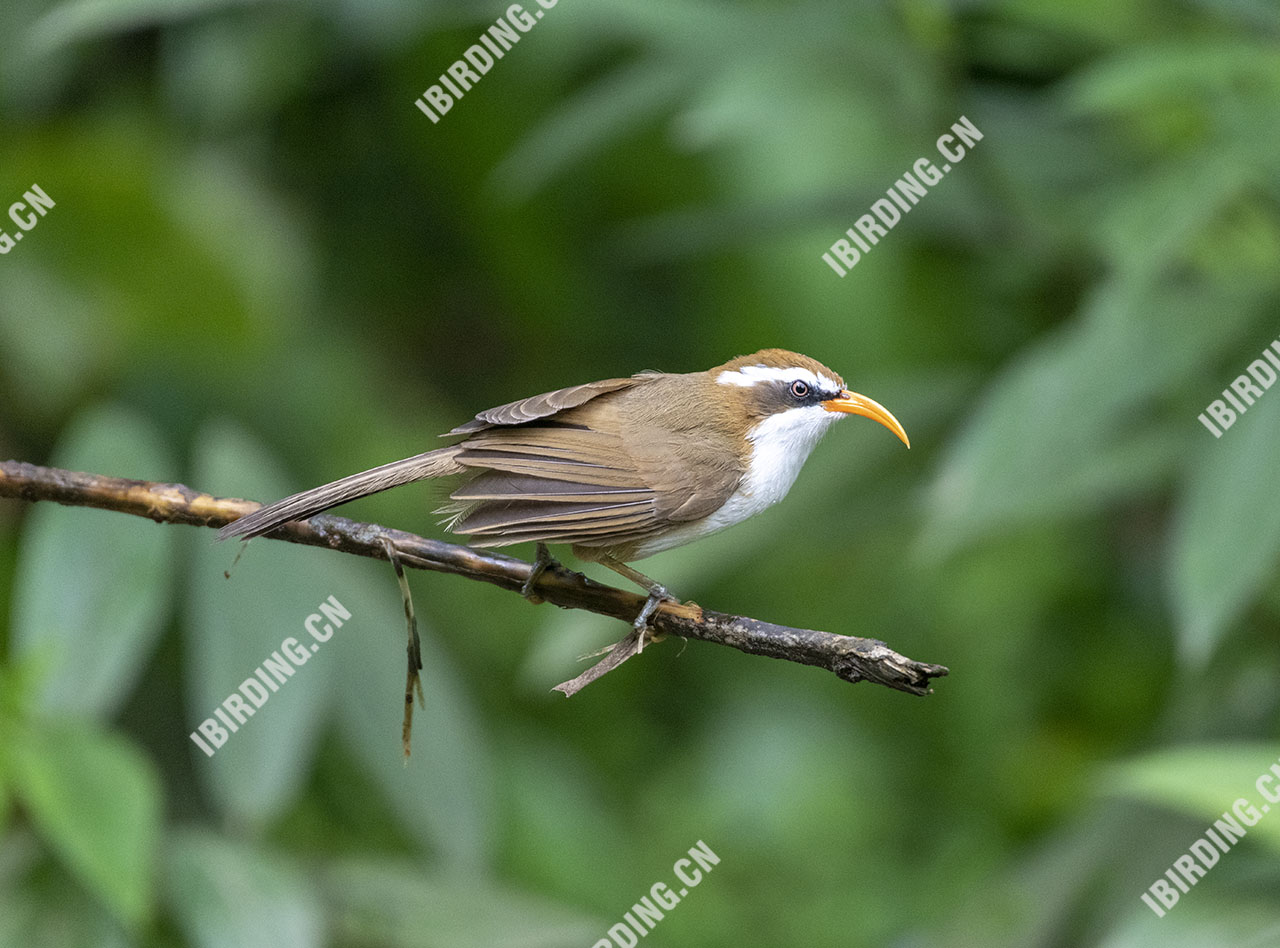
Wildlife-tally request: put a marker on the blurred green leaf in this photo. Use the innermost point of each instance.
(92, 587)
(561, 819)
(590, 120)
(1149, 225)
(247, 232)
(224, 894)
(1225, 545)
(78, 20)
(1168, 74)
(156, 271)
(52, 366)
(1202, 780)
(96, 800)
(759, 767)
(270, 42)
(1061, 431)
(1251, 14)
(1235, 920)
(47, 909)
(444, 793)
(236, 624)
(402, 907)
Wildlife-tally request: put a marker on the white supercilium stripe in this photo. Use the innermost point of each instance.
(750, 375)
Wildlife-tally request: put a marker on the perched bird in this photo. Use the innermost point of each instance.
(622, 468)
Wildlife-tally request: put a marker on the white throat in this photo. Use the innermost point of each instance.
(779, 447)
(780, 444)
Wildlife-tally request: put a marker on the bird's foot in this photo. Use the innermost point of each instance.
(541, 562)
(657, 594)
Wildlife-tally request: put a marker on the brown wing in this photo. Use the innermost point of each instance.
(545, 405)
(586, 481)
(554, 484)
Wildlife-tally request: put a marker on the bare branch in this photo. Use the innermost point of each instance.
(850, 657)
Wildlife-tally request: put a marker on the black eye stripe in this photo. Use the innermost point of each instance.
(799, 392)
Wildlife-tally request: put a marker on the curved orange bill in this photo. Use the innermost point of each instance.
(854, 404)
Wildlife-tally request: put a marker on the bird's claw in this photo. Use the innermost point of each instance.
(541, 562)
(657, 594)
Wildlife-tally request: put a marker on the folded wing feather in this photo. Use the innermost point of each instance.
(543, 406)
(559, 484)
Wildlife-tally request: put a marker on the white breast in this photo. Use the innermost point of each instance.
(779, 447)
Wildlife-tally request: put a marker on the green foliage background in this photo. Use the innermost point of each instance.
(267, 269)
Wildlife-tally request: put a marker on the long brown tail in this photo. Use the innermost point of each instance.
(436, 463)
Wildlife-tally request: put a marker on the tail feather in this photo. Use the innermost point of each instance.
(438, 463)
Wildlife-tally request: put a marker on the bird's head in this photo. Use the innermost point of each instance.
(791, 400)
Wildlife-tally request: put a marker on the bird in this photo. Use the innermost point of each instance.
(618, 469)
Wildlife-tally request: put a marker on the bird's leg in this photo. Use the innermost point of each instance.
(541, 561)
(658, 593)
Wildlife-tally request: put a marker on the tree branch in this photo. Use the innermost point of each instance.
(849, 657)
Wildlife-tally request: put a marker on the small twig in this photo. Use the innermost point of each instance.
(850, 657)
(413, 678)
(615, 655)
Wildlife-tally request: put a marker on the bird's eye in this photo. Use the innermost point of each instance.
(799, 389)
